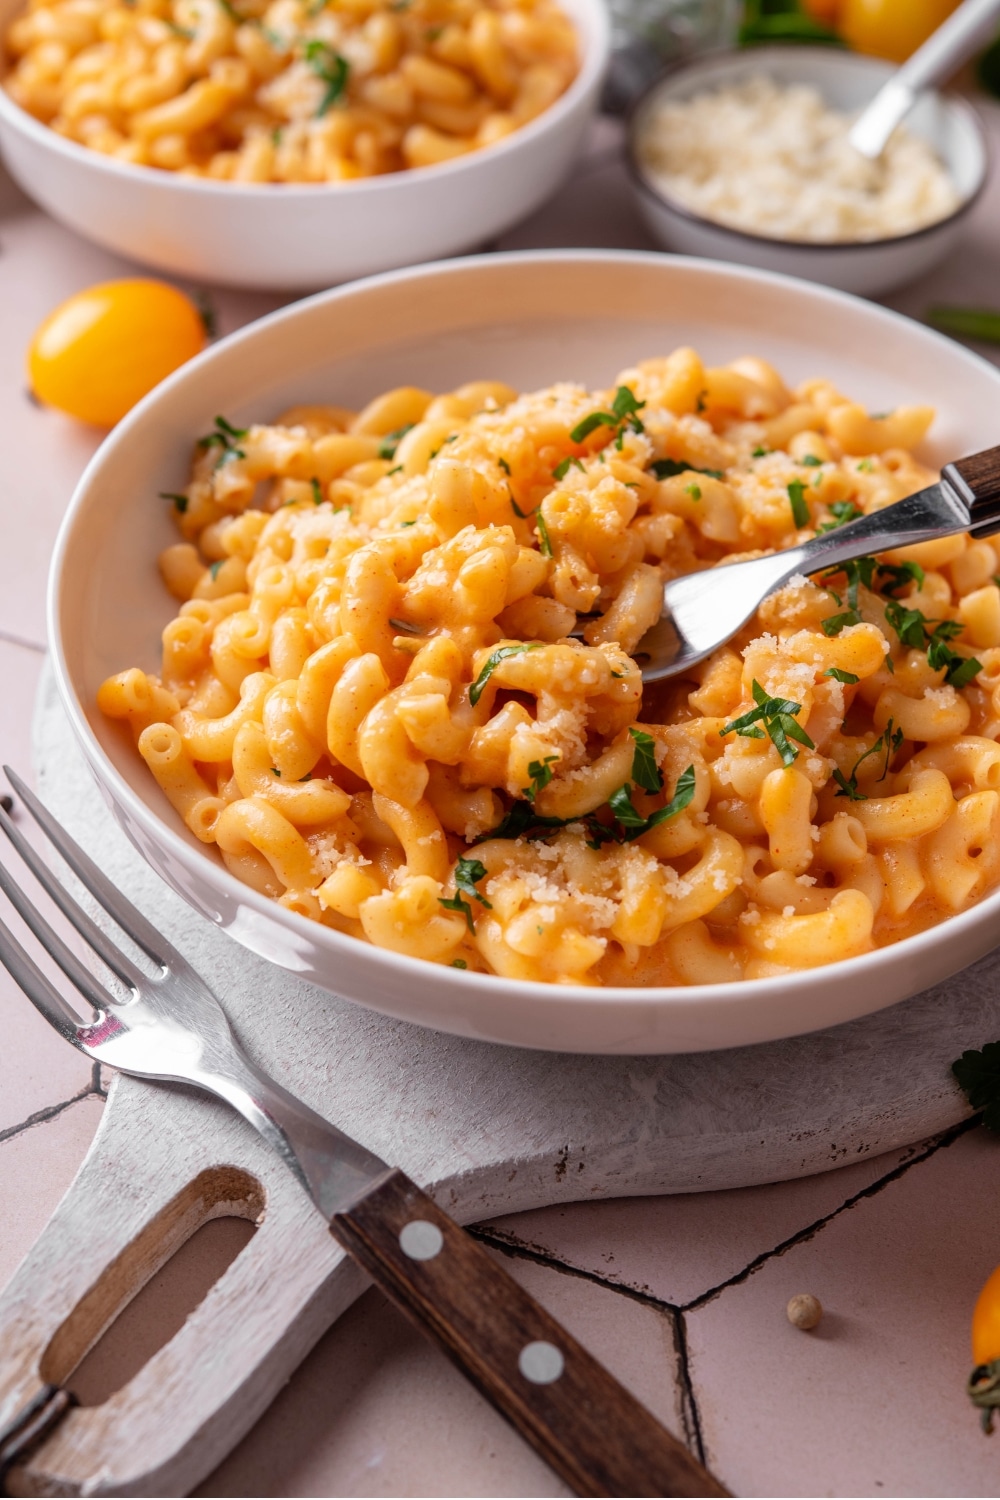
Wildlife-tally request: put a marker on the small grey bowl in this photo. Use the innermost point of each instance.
(846, 82)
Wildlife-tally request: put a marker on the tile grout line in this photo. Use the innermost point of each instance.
(50, 1112)
(10, 639)
(518, 1250)
(801, 1236)
(690, 1415)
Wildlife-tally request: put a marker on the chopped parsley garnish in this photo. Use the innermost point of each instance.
(912, 627)
(562, 469)
(206, 310)
(858, 570)
(406, 627)
(226, 437)
(214, 569)
(180, 501)
(797, 500)
(834, 624)
(890, 742)
(503, 464)
(459, 963)
(544, 541)
(541, 774)
(778, 718)
(493, 661)
(898, 575)
(390, 442)
(467, 873)
(694, 490)
(667, 468)
(811, 461)
(275, 772)
(645, 772)
(865, 466)
(522, 515)
(839, 675)
(317, 491)
(842, 511)
(333, 69)
(978, 1076)
(760, 451)
(701, 403)
(624, 413)
(433, 32)
(633, 824)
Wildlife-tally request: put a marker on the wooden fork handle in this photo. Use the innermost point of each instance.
(977, 479)
(582, 1422)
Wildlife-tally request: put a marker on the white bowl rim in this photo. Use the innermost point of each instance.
(595, 47)
(640, 998)
(643, 183)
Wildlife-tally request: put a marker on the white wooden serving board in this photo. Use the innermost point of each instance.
(490, 1130)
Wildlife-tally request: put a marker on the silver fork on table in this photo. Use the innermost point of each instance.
(171, 1027)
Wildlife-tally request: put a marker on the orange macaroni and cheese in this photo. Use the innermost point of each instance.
(372, 705)
(289, 90)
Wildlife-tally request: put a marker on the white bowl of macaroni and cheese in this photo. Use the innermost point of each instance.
(291, 145)
(330, 680)
(744, 156)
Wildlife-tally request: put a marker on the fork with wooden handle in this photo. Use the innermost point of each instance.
(568, 1407)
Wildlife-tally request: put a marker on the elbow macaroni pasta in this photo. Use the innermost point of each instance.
(289, 90)
(371, 702)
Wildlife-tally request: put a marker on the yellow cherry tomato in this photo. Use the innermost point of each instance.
(102, 350)
(986, 1323)
(891, 28)
(825, 11)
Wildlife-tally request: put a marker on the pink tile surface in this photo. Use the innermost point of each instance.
(376, 1411)
(873, 1401)
(37, 1069)
(677, 1248)
(37, 1165)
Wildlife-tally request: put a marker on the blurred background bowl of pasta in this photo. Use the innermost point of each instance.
(731, 158)
(529, 321)
(367, 164)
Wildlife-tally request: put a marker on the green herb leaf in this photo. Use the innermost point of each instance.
(760, 451)
(214, 569)
(491, 664)
(541, 774)
(811, 461)
(668, 468)
(503, 464)
(842, 512)
(544, 542)
(645, 772)
(317, 491)
(226, 437)
(180, 501)
(834, 624)
(406, 627)
(333, 69)
(623, 414)
(778, 718)
(907, 623)
(966, 322)
(620, 803)
(562, 469)
(978, 1076)
(897, 576)
(866, 466)
(797, 500)
(391, 441)
(458, 963)
(523, 515)
(839, 675)
(467, 873)
(889, 742)
(694, 490)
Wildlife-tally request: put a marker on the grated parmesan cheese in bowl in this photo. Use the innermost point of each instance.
(775, 161)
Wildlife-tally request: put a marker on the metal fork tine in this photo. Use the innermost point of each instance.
(131, 921)
(40, 991)
(78, 974)
(118, 962)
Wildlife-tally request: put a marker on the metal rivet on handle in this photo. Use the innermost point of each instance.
(540, 1362)
(420, 1239)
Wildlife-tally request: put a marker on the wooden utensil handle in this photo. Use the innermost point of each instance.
(977, 479)
(582, 1422)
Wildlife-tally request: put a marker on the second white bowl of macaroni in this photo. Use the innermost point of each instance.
(291, 145)
(362, 738)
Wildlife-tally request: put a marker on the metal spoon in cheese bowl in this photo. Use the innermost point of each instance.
(701, 611)
(967, 28)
